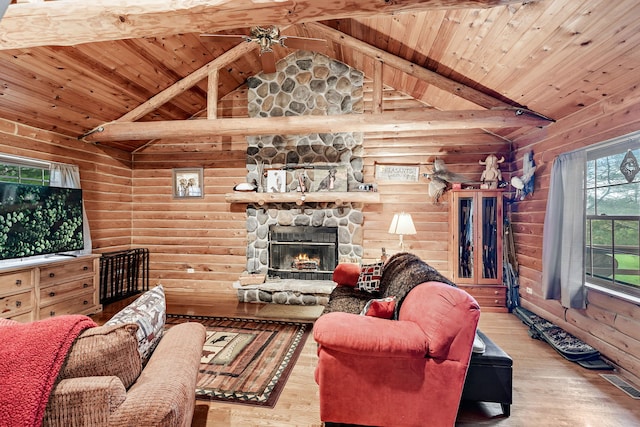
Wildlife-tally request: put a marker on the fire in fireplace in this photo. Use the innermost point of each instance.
(302, 252)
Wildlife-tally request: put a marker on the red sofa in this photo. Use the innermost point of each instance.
(405, 372)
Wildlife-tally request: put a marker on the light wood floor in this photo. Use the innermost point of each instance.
(548, 390)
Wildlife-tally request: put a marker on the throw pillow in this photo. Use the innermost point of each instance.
(149, 312)
(105, 351)
(382, 307)
(369, 279)
(346, 274)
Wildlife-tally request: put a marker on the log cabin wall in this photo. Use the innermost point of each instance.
(208, 236)
(461, 151)
(105, 174)
(609, 324)
(199, 244)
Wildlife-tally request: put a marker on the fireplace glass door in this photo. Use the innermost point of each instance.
(302, 252)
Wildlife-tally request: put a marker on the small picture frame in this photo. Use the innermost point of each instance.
(276, 181)
(397, 173)
(188, 183)
(330, 178)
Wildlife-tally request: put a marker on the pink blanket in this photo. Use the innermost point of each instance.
(31, 355)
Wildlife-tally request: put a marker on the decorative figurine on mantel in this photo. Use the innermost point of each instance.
(491, 175)
(303, 181)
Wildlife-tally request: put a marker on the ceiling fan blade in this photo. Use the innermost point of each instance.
(268, 62)
(228, 37)
(303, 43)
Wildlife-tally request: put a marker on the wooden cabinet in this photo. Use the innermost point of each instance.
(476, 247)
(50, 288)
(17, 294)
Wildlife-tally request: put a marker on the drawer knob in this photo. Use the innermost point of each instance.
(52, 294)
(18, 304)
(52, 274)
(19, 282)
(52, 313)
(85, 285)
(85, 302)
(85, 268)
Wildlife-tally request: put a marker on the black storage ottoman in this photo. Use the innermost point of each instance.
(490, 376)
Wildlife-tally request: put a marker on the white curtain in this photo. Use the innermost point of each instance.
(68, 176)
(563, 239)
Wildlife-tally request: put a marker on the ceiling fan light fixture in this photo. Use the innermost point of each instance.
(266, 37)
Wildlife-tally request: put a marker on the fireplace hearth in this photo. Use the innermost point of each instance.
(302, 252)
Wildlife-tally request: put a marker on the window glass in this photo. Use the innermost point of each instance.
(25, 174)
(612, 206)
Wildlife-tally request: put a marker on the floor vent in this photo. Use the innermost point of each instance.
(622, 385)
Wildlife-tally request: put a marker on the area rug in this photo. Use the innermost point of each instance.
(246, 361)
(290, 312)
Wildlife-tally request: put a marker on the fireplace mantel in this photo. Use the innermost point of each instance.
(298, 198)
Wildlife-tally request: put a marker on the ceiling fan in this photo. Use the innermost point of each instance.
(267, 38)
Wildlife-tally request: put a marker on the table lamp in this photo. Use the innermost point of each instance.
(402, 224)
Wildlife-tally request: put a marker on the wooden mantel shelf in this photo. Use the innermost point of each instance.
(338, 198)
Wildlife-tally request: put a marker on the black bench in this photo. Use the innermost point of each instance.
(490, 376)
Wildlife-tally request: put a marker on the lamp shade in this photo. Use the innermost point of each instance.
(402, 224)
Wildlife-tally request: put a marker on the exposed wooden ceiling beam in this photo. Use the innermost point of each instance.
(378, 55)
(408, 67)
(391, 122)
(69, 23)
(187, 82)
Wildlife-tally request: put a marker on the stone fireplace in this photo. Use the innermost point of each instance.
(306, 83)
(346, 220)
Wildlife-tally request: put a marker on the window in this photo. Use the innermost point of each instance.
(24, 171)
(612, 208)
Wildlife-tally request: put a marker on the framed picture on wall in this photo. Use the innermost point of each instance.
(188, 183)
(397, 173)
(276, 181)
(330, 178)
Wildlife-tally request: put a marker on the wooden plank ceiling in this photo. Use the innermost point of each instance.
(553, 57)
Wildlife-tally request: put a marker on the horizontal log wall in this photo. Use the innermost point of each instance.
(199, 244)
(460, 150)
(609, 324)
(208, 236)
(105, 175)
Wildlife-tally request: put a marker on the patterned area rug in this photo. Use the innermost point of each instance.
(246, 361)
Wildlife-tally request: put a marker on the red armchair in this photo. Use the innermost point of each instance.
(405, 372)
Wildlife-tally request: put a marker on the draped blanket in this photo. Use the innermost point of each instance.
(403, 272)
(31, 356)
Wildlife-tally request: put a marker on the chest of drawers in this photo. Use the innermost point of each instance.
(50, 289)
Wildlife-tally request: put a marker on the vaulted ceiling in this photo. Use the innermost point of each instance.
(71, 66)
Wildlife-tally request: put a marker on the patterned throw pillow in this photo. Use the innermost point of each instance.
(369, 279)
(149, 311)
(382, 307)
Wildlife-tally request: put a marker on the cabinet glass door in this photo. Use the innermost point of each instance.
(465, 237)
(489, 221)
